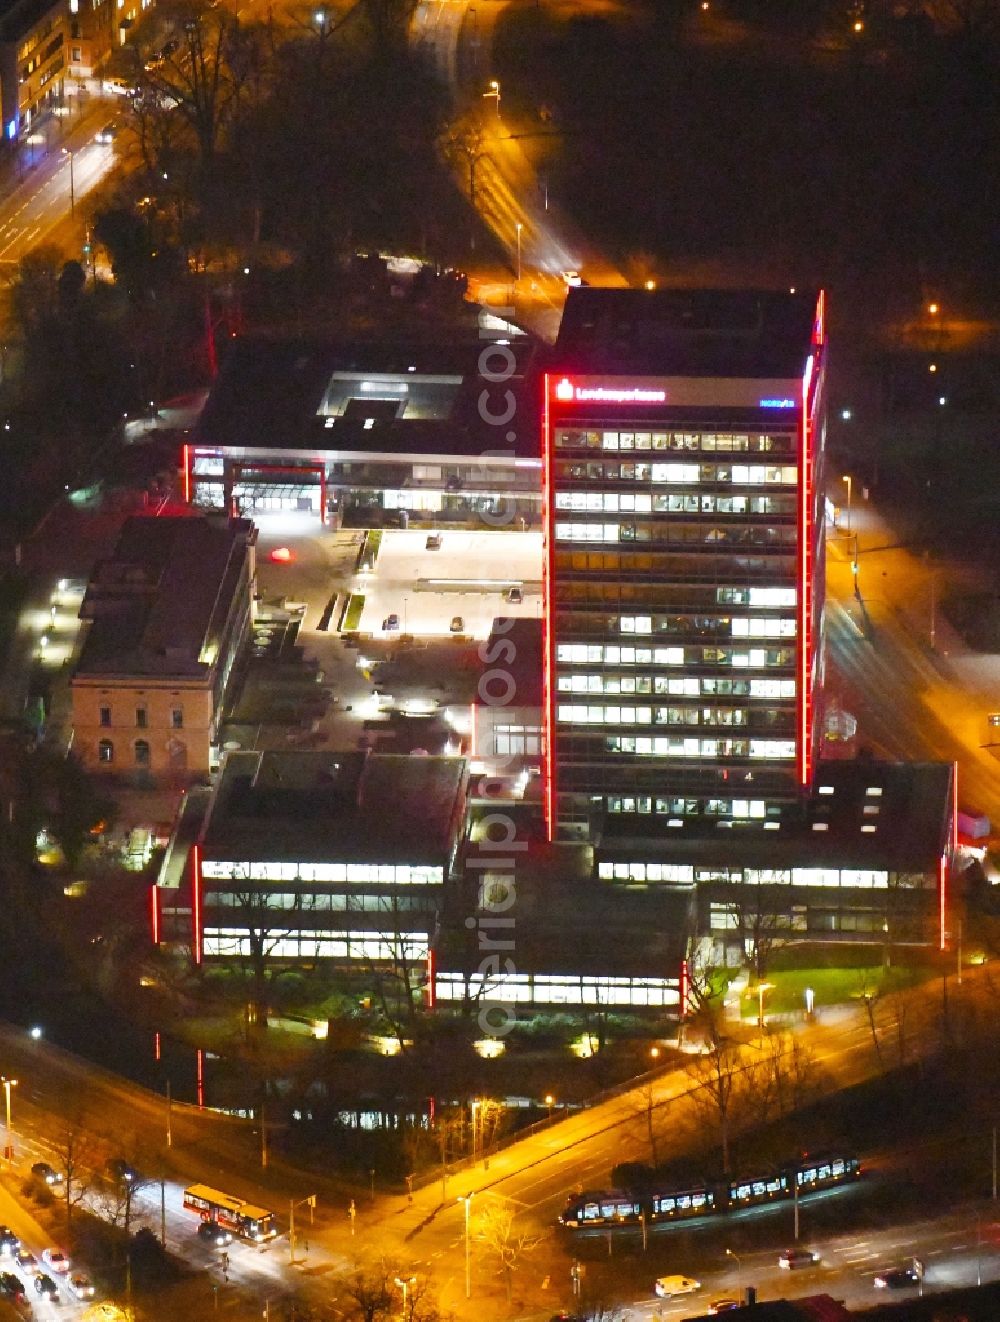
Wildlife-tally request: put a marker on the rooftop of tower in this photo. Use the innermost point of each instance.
(687, 332)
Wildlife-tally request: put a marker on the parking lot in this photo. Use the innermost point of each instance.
(453, 582)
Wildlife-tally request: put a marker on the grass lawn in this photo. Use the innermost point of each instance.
(352, 616)
(832, 986)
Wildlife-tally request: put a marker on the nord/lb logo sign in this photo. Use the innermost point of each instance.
(567, 392)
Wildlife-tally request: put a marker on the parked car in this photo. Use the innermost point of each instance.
(433, 542)
(9, 1242)
(514, 595)
(214, 1234)
(896, 1278)
(718, 1306)
(43, 1171)
(391, 623)
(669, 1286)
(45, 1285)
(11, 1287)
(81, 1286)
(457, 624)
(791, 1259)
(572, 278)
(56, 1260)
(25, 1258)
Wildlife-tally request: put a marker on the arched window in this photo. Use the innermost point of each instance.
(142, 753)
(105, 751)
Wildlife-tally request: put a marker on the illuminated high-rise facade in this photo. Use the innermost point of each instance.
(683, 443)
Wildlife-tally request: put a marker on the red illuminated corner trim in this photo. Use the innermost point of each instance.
(154, 913)
(819, 323)
(548, 642)
(186, 461)
(196, 903)
(683, 999)
(805, 579)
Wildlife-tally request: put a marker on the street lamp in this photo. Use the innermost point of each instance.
(550, 1101)
(762, 987)
(404, 1283)
(739, 1267)
(494, 91)
(7, 1085)
(519, 227)
(467, 1200)
(68, 151)
(850, 488)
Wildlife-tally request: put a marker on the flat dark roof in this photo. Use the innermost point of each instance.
(521, 660)
(567, 922)
(322, 806)
(163, 598)
(303, 394)
(908, 804)
(686, 332)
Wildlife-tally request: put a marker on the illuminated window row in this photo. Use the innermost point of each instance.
(725, 918)
(740, 809)
(726, 442)
(756, 658)
(681, 502)
(234, 942)
(772, 597)
(740, 475)
(386, 874)
(741, 626)
(545, 989)
(774, 750)
(317, 902)
(826, 877)
(668, 532)
(581, 714)
(686, 686)
(675, 503)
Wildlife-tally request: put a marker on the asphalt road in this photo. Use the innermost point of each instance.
(48, 185)
(913, 697)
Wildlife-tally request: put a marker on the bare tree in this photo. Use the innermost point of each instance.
(80, 1153)
(645, 1107)
(267, 924)
(503, 1242)
(762, 921)
(367, 1291)
(716, 1071)
(372, 1294)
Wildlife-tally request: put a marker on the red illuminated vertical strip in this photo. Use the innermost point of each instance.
(200, 1077)
(154, 913)
(186, 458)
(472, 729)
(197, 934)
(683, 999)
(157, 1045)
(548, 645)
(805, 575)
